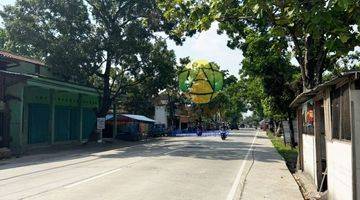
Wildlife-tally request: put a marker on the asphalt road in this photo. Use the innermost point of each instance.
(172, 168)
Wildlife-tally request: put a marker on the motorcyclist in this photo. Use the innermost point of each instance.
(199, 129)
(223, 126)
(223, 129)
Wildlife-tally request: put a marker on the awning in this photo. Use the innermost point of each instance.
(131, 116)
(303, 97)
(60, 85)
(35, 80)
(13, 77)
(9, 57)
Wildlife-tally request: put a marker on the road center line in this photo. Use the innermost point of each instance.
(232, 193)
(112, 171)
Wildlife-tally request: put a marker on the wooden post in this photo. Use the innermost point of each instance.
(300, 132)
(317, 136)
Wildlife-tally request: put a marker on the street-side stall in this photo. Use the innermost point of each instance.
(129, 126)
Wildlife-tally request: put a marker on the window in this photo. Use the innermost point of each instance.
(335, 113)
(321, 120)
(340, 113)
(345, 114)
(357, 84)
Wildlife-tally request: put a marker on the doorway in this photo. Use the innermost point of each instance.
(320, 144)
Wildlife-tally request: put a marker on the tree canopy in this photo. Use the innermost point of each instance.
(317, 32)
(2, 38)
(112, 42)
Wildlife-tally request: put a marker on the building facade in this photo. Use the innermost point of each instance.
(329, 136)
(39, 109)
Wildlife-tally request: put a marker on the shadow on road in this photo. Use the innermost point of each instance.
(198, 148)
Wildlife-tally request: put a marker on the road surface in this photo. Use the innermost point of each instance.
(171, 168)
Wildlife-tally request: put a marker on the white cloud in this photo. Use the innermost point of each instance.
(211, 46)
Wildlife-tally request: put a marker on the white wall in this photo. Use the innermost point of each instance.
(309, 155)
(339, 170)
(160, 115)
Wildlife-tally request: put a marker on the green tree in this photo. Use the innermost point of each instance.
(109, 41)
(252, 91)
(229, 103)
(2, 38)
(267, 61)
(139, 98)
(318, 32)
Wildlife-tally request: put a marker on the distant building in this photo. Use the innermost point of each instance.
(329, 136)
(39, 109)
(164, 109)
(161, 114)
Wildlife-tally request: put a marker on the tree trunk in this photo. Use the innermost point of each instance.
(271, 126)
(106, 97)
(291, 127)
(309, 63)
(283, 135)
(313, 66)
(277, 128)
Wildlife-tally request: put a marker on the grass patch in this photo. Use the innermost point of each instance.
(289, 154)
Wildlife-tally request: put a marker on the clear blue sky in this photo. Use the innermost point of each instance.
(206, 45)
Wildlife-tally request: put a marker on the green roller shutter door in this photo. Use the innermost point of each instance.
(89, 122)
(62, 124)
(67, 123)
(38, 124)
(74, 124)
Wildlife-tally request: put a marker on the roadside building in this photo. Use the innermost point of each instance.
(161, 113)
(173, 115)
(37, 108)
(329, 135)
(129, 126)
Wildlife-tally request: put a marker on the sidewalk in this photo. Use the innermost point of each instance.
(267, 176)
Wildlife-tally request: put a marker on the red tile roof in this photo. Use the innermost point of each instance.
(20, 58)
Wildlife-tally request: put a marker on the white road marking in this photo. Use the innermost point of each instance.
(111, 171)
(232, 193)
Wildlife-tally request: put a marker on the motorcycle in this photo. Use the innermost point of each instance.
(223, 135)
(199, 132)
